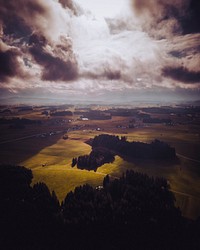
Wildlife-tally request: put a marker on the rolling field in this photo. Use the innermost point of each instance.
(50, 158)
(183, 177)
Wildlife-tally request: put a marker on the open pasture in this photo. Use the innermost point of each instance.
(50, 157)
(183, 177)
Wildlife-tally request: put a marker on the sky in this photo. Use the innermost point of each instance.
(111, 51)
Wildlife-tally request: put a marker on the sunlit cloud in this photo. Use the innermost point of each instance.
(89, 46)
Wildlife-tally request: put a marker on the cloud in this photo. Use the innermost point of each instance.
(67, 3)
(21, 23)
(191, 21)
(58, 63)
(54, 68)
(21, 18)
(16, 16)
(11, 63)
(183, 57)
(62, 46)
(181, 74)
(164, 18)
(72, 5)
(104, 74)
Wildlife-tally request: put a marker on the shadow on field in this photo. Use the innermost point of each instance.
(18, 151)
(151, 162)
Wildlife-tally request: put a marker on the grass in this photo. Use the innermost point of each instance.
(184, 177)
(63, 179)
(57, 172)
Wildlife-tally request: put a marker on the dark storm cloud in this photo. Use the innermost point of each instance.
(173, 16)
(53, 67)
(10, 65)
(109, 74)
(20, 23)
(37, 40)
(15, 28)
(181, 74)
(13, 16)
(177, 53)
(68, 4)
(29, 8)
(168, 6)
(113, 75)
(191, 21)
(73, 6)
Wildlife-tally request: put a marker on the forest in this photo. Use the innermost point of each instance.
(95, 159)
(154, 150)
(105, 147)
(132, 212)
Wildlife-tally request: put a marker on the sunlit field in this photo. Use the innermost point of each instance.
(52, 164)
(50, 157)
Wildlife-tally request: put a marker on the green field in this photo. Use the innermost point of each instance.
(56, 154)
(183, 177)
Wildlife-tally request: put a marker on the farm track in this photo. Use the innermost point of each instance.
(187, 158)
(25, 137)
(21, 138)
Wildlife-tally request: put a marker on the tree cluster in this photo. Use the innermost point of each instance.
(95, 159)
(132, 212)
(27, 213)
(97, 115)
(61, 113)
(133, 201)
(122, 112)
(157, 150)
(156, 120)
(19, 121)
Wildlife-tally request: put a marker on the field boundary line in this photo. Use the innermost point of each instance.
(187, 158)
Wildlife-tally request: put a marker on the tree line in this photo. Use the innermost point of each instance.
(61, 113)
(157, 149)
(132, 212)
(22, 121)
